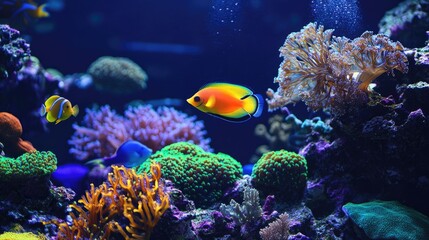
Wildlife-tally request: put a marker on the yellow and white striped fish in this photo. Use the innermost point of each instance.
(58, 109)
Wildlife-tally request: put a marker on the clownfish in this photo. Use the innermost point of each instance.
(228, 101)
(58, 109)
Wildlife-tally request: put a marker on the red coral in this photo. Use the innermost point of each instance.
(10, 135)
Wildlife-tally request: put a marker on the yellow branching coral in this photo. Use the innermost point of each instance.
(127, 205)
(328, 72)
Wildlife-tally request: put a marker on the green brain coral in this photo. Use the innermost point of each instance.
(281, 173)
(27, 165)
(202, 176)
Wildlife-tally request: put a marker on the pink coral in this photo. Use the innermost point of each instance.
(104, 130)
(332, 73)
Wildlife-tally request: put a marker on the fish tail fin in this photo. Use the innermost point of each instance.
(42, 110)
(253, 104)
(41, 11)
(260, 106)
(75, 110)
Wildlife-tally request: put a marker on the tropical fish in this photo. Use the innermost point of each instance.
(130, 154)
(71, 175)
(58, 109)
(228, 101)
(12, 8)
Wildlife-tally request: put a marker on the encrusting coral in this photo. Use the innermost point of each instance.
(331, 73)
(281, 173)
(202, 176)
(127, 205)
(117, 75)
(103, 130)
(27, 165)
(10, 135)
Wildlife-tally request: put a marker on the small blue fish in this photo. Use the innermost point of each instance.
(130, 154)
(71, 175)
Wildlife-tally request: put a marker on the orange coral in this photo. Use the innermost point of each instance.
(137, 200)
(10, 135)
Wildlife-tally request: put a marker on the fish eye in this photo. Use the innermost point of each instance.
(197, 99)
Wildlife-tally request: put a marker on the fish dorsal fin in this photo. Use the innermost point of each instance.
(236, 90)
(211, 102)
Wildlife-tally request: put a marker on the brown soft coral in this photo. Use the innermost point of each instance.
(136, 201)
(10, 136)
(332, 73)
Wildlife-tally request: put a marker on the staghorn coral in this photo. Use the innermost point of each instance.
(277, 230)
(127, 205)
(117, 75)
(249, 211)
(202, 176)
(281, 173)
(27, 165)
(13, 50)
(103, 130)
(10, 135)
(332, 73)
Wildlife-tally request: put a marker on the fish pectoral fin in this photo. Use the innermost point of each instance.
(211, 102)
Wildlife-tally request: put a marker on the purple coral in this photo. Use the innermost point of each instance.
(104, 130)
(332, 73)
(13, 49)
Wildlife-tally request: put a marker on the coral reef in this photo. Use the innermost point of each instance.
(27, 165)
(202, 176)
(277, 230)
(388, 220)
(10, 136)
(13, 50)
(103, 130)
(117, 75)
(406, 21)
(332, 73)
(281, 173)
(249, 216)
(127, 205)
(290, 133)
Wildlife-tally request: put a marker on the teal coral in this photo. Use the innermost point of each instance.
(202, 176)
(388, 220)
(27, 165)
(281, 173)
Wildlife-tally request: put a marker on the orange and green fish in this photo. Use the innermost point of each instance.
(58, 109)
(228, 101)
